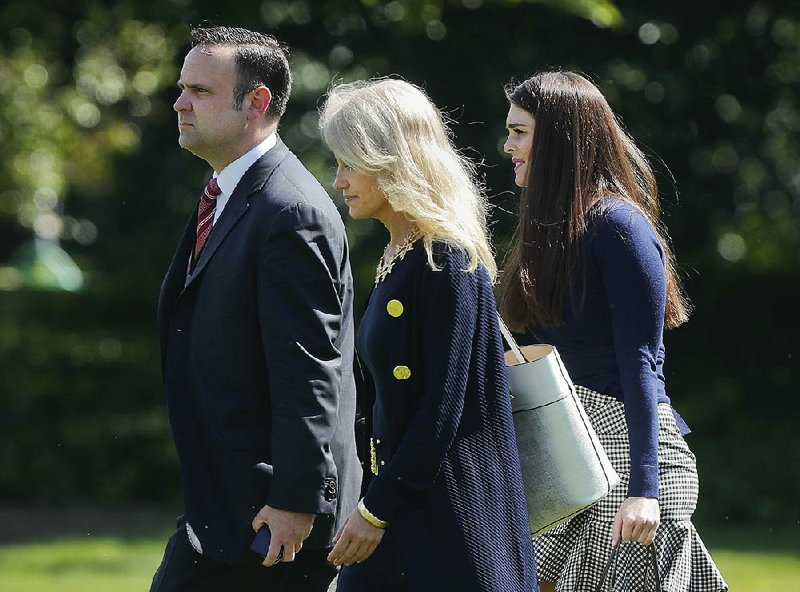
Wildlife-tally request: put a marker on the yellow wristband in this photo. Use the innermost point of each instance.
(370, 517)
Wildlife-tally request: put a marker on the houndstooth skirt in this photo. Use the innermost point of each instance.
(574, 554)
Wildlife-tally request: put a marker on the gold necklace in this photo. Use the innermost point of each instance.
(386, 264)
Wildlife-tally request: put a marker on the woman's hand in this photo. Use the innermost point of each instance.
(637, 520)
(356, 540)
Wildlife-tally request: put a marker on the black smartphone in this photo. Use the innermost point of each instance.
(260, 544)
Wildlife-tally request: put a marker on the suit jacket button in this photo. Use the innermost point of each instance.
(394, 308)
(330, 490)
(402, 372)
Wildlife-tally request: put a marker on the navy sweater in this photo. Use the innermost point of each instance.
(448, 476)
(613, 343)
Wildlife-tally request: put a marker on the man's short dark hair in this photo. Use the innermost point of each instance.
(260, 59)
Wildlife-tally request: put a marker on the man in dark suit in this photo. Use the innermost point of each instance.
(256, 332)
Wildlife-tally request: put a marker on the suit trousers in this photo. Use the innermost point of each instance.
(183, 569)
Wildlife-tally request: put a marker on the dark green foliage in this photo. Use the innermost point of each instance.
(733, 374)
(82, 416)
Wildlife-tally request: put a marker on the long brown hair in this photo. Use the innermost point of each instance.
(580, 154)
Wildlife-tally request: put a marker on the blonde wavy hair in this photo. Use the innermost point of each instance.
(389, 129)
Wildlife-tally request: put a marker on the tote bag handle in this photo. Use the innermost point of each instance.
(512, 343)
(611, 566)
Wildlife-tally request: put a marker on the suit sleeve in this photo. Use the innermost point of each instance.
(631, 262)
(300, 315)
(447, 317)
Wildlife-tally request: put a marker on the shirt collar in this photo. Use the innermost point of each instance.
(230, 176)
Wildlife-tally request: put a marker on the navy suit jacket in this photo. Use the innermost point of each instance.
(257, 359)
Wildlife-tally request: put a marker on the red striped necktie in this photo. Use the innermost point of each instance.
(205, 215)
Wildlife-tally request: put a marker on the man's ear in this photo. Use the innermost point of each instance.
(259, 102)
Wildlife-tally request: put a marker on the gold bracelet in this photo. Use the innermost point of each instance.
(370, 517)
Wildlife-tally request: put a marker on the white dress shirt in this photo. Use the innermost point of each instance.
(230, 176)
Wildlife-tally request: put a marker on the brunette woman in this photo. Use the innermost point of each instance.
(591, 271)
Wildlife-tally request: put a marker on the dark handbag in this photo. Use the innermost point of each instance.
(609, 572)
(565, 468)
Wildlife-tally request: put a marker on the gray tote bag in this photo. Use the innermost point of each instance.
(564, 466)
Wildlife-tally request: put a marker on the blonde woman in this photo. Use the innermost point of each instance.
(444, 509)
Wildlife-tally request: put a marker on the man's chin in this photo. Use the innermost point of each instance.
(186, 143)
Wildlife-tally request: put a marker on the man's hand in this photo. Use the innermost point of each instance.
(637, 520)
(356, 540)
(287, 530)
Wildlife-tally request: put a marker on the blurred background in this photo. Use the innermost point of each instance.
(94, 194)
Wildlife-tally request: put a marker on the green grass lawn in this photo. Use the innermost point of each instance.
(755, 571)
(88, 564)
(752, 560)
(756, 559)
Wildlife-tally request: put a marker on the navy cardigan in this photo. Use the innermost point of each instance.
(448, 476)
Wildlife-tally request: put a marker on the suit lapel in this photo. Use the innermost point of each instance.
(176, 274)
(238, 204)
(236, 207)
(173, 282)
